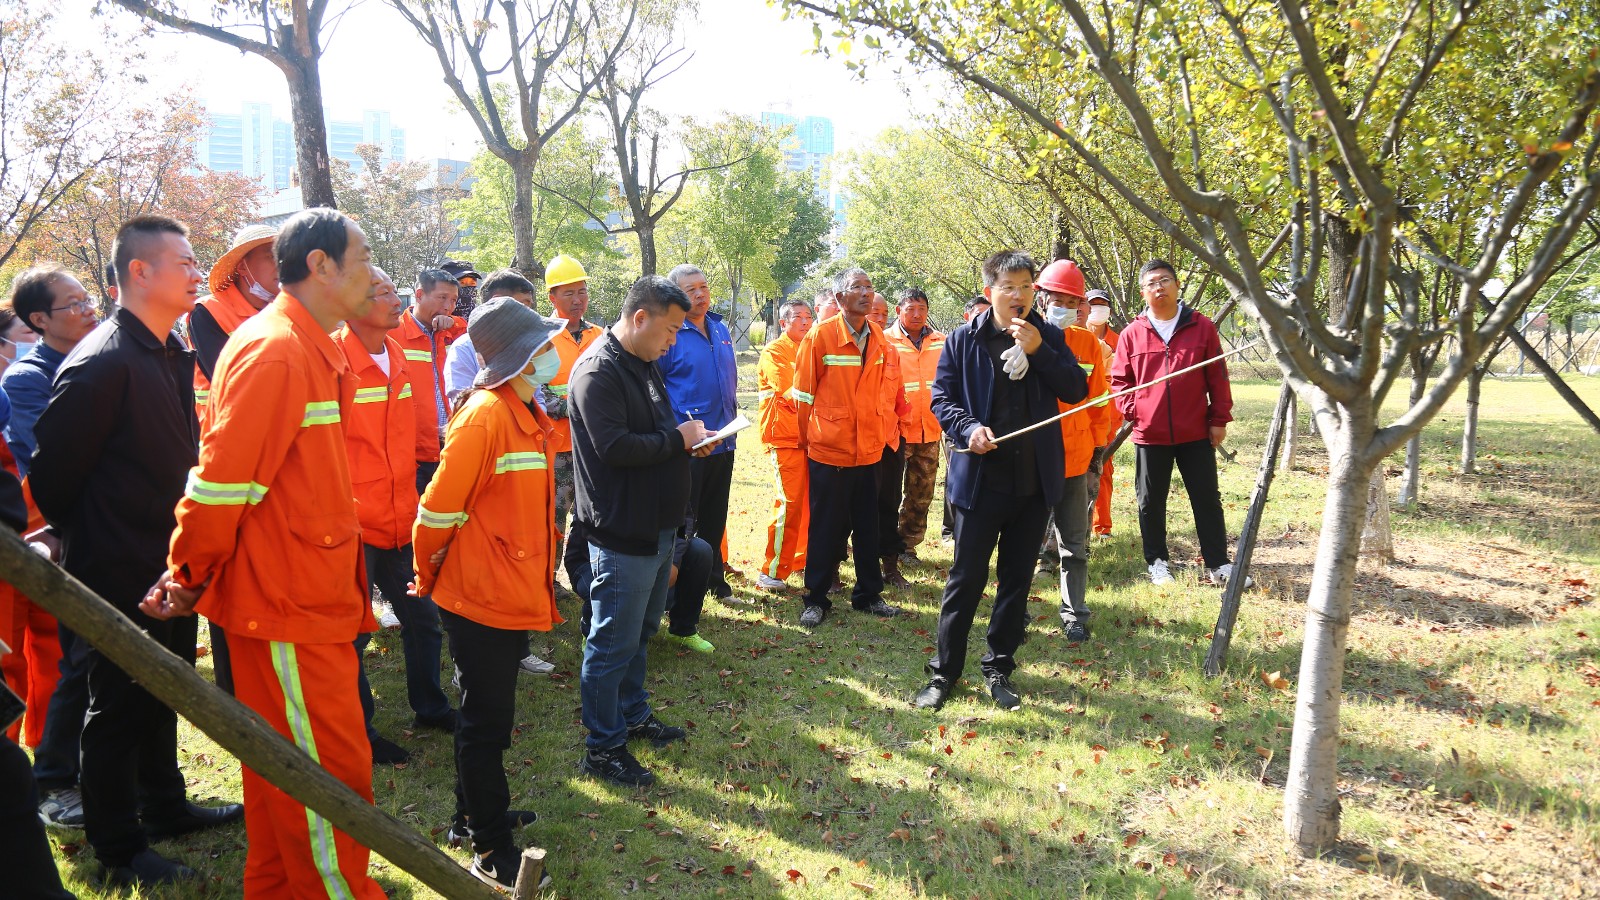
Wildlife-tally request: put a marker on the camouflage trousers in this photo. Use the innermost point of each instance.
(922, 472)
(565, 489)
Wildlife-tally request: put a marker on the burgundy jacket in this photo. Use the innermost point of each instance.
(1183, 409)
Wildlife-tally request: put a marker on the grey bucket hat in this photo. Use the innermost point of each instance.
(506, 335)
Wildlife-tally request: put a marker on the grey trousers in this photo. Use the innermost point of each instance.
(1072, 517)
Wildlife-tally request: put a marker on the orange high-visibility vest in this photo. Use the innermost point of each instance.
(230, 308)
(381, 438)
(570, 349)
(492, 503)
(845, 395)
(1080, 432)
(918, 425)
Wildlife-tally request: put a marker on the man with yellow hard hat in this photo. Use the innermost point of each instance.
(568, 286)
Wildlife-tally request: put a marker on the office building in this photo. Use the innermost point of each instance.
(254, 143)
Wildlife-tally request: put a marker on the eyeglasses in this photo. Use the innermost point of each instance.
(81, 307)
(1156, 284)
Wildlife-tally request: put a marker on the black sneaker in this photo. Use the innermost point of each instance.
(515, 818)
(445, 723)
(880, 609)
(497, 868)
(656, 731)
(1077, 633)
(934, 695)
(62, 807)
(148, 869)
(194, 818)
(1005, 696)
(812, 616)
(617, 766)
(387, 753)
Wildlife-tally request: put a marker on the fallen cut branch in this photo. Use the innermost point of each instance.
(234, 726)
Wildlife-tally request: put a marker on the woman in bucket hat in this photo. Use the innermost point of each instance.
(485, 550)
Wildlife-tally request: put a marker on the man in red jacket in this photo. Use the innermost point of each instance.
(1180, 421)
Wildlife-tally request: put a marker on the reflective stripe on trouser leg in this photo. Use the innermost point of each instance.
(323, 851)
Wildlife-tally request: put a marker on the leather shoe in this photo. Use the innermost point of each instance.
(194, 818)
(934, 695)
(1077, 633)
(387, 753)
(148, 868)
(1005, 696)
(445, 723)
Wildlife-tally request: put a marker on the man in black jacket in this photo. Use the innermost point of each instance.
(115, 446)
(631, 458)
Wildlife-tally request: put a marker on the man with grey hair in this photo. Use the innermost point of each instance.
(702, 380)
(846, 377)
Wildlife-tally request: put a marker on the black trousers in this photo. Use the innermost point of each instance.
(221, 661)
(712, 481)
(891, 483)
(31, 872)
(1197, 463)
(687, 596)
(130, 749)
(844, 507)
(487, 660)
(1015, 525)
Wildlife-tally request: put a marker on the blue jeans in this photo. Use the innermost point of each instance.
(625, 605)
(421, 637)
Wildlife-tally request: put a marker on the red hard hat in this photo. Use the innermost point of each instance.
(1063, 277)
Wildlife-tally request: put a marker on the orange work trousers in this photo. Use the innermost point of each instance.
(308, 694)
(34, 664)
(791, 514)
(1102, 502)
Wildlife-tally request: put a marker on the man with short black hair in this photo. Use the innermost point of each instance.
(780, 435)
(1001, 372)
(115, 445)
(426, 331)
(631, 456)
(920, 345)
(1180, 422)
(268, 543)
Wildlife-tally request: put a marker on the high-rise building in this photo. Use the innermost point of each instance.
(256, 144)
(809, 146)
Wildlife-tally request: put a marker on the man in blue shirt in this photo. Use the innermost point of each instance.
(57, 308)
(702, 380)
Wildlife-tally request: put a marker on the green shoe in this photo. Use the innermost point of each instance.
(693, 642)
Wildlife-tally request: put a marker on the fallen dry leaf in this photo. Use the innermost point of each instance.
(862, 887)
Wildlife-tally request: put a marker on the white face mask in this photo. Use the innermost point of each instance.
(1061, 316)
(1099, 314)
(253, 287)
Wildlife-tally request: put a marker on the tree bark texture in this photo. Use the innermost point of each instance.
(1410, 482)
(1291, 436)
(234, 726)
(647, 246)
(1311, 796)
(522, 216)
(310, 134)
(1469, 429)
(1377, 534)
(1222, 635)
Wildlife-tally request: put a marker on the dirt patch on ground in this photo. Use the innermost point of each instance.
(1434, 584)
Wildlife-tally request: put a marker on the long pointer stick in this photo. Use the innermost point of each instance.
(1109, 397)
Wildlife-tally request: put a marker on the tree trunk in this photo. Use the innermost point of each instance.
(1311, 796)
(1377, 534)
(1410, 481)
(1340, 241)
(1291, 435)
(647, 245)
(1061, 236)
(522, 216)
(310, 134)
(1469, 431)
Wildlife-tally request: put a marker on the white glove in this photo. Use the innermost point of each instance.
(1015, 362)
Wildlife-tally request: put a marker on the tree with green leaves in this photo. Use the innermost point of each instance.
(1263, 124)
(401, 206)
(291, 39)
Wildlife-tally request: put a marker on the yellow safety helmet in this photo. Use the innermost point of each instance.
(563, 269)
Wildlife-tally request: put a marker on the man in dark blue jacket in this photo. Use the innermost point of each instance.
(1001, 371)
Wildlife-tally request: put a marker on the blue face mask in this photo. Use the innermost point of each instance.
(545, 367)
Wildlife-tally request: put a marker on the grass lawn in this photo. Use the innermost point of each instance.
(1471, 722)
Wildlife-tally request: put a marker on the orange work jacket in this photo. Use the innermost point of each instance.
(844, 396)
(1081, 432)
(918, 425)
(493, 504)
(268, 517)
(381, 438)
(776, 412)
(1113, 418)
(425, 367)
(570, 349)
(230, 308)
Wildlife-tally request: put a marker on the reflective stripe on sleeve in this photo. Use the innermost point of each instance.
(419, 356)
(842, 359)
(321, 412)
(431, 519)
(405, 392)
(201, 395)
(763, 396)
(217, 493)
(519, 462)
(800, 396)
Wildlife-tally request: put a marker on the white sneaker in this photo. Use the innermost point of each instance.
(533, 665)
(1220, 575)
(387, 620)
(768, 583)
(1159, 573)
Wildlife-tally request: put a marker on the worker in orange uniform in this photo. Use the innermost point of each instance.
(1100, 468)
(845, 380)
(381, 436)
(485, 543)
(918, 346)
(568, 286)
(425, 334)
(780, 435)
(268, 544)
(1061, 294)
